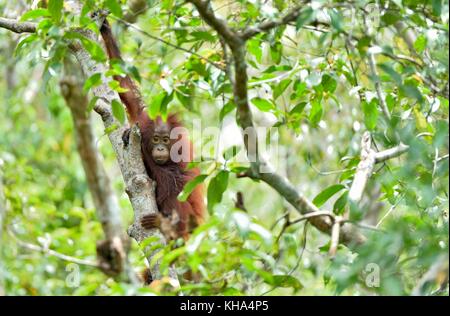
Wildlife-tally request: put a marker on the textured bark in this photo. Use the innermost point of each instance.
(369, 158)
(17, 27)
(104, 199)
(363, 171)
(139, 187)
(236, 41)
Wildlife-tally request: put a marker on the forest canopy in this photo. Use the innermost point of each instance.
(320, 133)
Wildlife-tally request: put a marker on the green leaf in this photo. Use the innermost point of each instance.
(396, 77)
(276, 51)
(165, 102)
(227, 108)
(390, 102)
(27, 40)
(231, 152)
(316, 112)
(390, 18)
(286, 281)
(421, 43)
(91, 104)
(298, 109)
(111, 128)
(280, 88)
(254, 48)
(329, 84)
(323, 196)
(190, 186)
(411, 91)
(336, 20)
(184, 95)
(339, 205)
(155, 105)
(204, 36)
(55, 8)
(370, 114)
(437, 7)
(114, 7)
(263, 104)
(115, 85)
(33, 14)
(305, 16)
(94, 49)
(421, 121)
(92, 81)
(300, 88)
(216, 188)
(118, 111)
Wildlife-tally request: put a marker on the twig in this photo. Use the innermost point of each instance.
(335, 232)
(390, 153)
(292, 15)
(53, 252)
(218, 66)
(388, 212)
(302, 250)
(437, 274)
(376, 78)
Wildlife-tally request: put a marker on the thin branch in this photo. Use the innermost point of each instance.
(369, 158)
(335, 232)
(215, 64)
(53, 252)
(364, 169)
(260, 168)
(292, 15)
(218, 24)
(439, 159)
(437, 274)
(112, 251)
(401, 58)
(392, 208)
(312, 215)
(135, 8)
(391, 153)
(376, 78)
(302, 250)
(16, 26)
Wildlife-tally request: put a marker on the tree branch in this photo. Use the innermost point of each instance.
(215, 64)
(391, 153)
(135, 8)
(139, 187)
(16, 26)
(292, 15)
(349, 235)
(53, 253)
(218, 24)
(365, 167)
(376, 78)
(112, 252)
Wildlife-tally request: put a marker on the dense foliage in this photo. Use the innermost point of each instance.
(311, 80)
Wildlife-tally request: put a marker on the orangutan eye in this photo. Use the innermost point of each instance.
(155, 139)
(166, 140)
